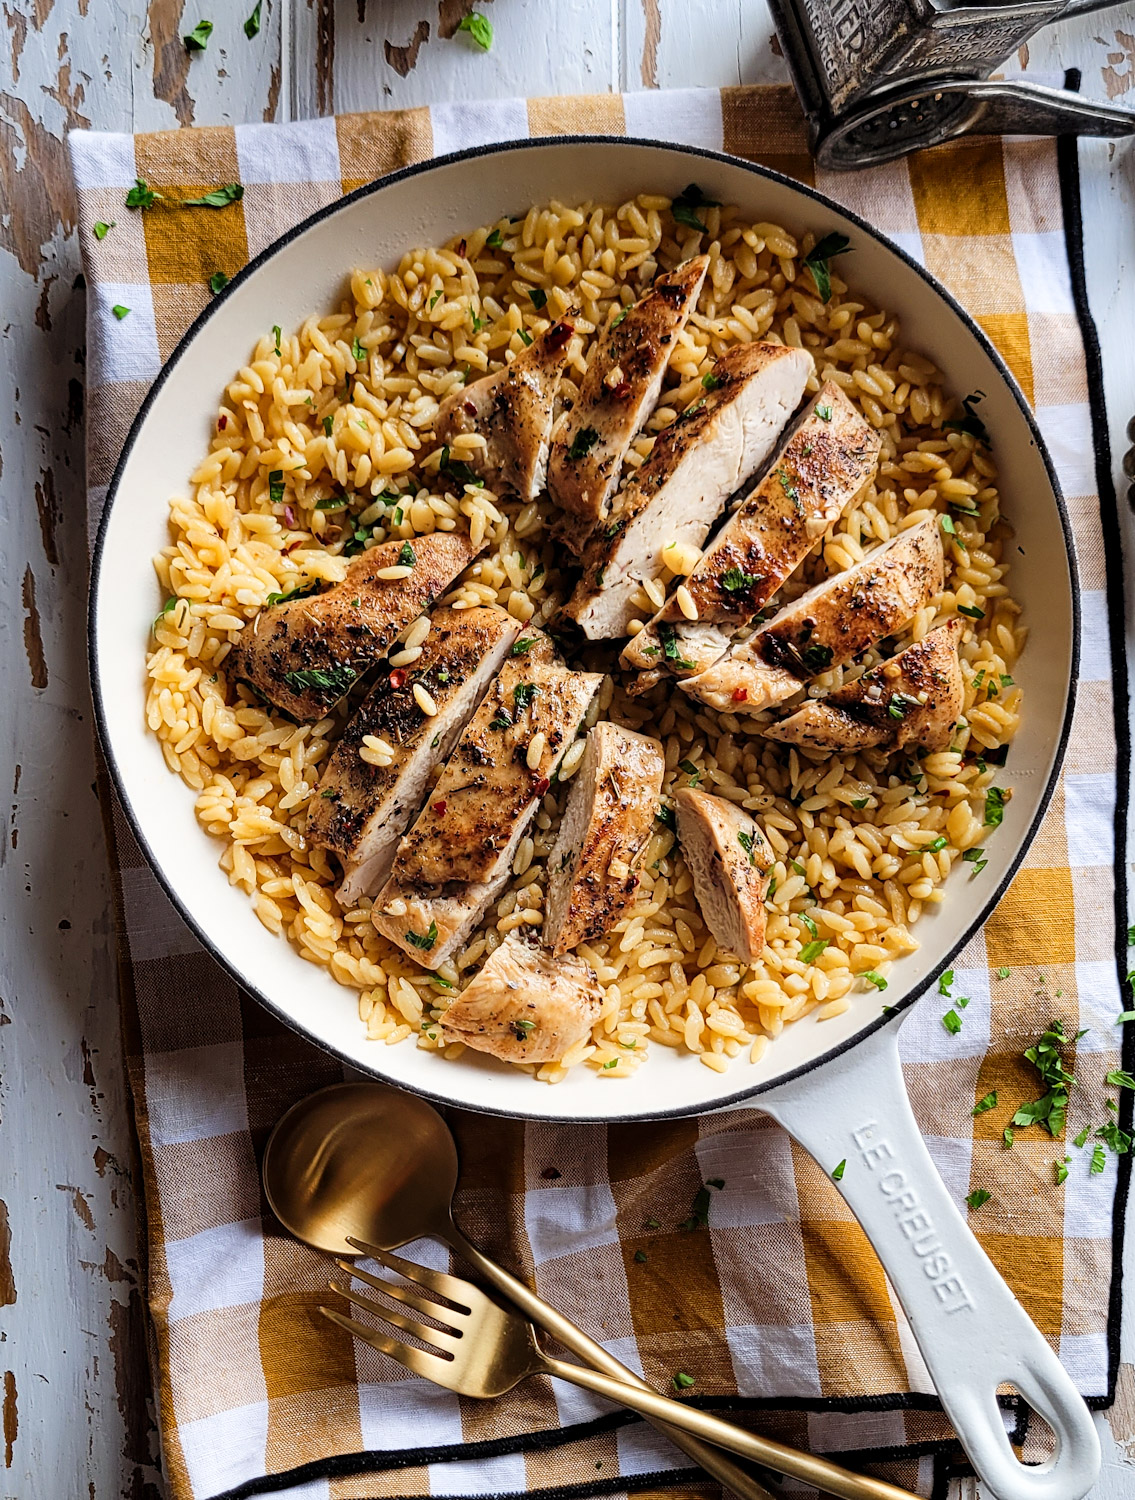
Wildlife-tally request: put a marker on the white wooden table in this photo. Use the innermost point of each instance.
(76, 1419)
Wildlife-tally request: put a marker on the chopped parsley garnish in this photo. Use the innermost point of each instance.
(327, 683)
(683, 206)
(328, 425)
(971, 422)
(670, 649)
(198, 39)
(303, 591)
(336, 502)
(682, 1381)
(456, 469)
(494, 240)
(397, 517)
(358, 353)
(735, 581)
(818, 258)
(277, 334)
(426, 941)
(811, 951)
(276, 486)
(640, 1257)
(583, 442)
(788, 487)
(1098, 1161)
(859, 803)
(952, 1022)
(699, 1213)
(809, 923)
(995, 800)
(503, 720)
(217, 282)
(972, 611)
(986, 1103)
(434, 300)
(1003, 972)
(1121, 1080)
(479, 27)
(975, 858)
(824, 413)
(523, 694)
(170, 604)
(522, 646)
(1118, 1140)
(837, 1172)
(747, 840)
(619, 317)
(665, 816)
(252, 25)
(221, 197)
(817, 658)
(407, 557)
(538, 296)
(945, 983)
(142, 195)
(712, 382)
(872, 977)
(102, 229)
(1047, 1057)
(1060, 1170)
(1007, 1137)
(691, 770)
(947, 525)
(120, 312)
(978, 1197)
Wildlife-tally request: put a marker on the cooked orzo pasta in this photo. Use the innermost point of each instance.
(323, 446)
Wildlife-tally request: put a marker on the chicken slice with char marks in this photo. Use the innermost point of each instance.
(829, 624)
(912, 700)
(606, 825)
(361, 810)
(513, 410)
(702, 458)
(825, 461)
(616, 395)
(306, 654)
(729, 860)
(498, 772)
(525, 1006)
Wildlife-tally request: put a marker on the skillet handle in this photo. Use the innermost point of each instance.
(971, 1330)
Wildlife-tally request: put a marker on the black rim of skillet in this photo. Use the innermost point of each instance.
(751, 1092)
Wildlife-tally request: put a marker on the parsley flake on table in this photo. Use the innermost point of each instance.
(690, 198)
(640, 1257)
(479, 27)
(1121, 1080)
(1003, 972)
(252, 25)
(142, 195)
(837, 1172)
(102, 229)
(945, 983)
(221, 197)
(1098, 1161)
(198, 39)
(699, 1213)
(682, 1381)
(978, 1197)
(988, 1102)
(818, 262)
(120, 312)
(1060, 1170)
(952, 1022)
(217, 282)
(1047, 1057)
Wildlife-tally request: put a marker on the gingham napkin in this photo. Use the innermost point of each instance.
(777, 1308)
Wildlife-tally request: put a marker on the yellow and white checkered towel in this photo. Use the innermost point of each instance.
(778, 1307)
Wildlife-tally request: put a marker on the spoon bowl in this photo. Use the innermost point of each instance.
(361, 1161)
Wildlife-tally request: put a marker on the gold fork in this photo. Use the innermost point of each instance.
(478, 1348)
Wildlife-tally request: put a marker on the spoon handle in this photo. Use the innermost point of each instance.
(715, 1462)
(806, 1466)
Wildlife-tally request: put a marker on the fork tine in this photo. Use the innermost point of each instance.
(427, 1306)
(439, 1339)
(417, 1361)
(437, 1281)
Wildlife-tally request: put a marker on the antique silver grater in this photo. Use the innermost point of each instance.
(880, 78)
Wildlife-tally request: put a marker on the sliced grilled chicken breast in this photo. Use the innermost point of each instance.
(826, 460)
(606, 825)
(499, 771)
(729, 860)
(828, 625)
(432, 923)
(360, 809)
(524, 1006)
(912, 700)
(696, 463)
(512, 409)
(306, 654)
(618, 392)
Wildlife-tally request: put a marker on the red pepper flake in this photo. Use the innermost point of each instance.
(469, 408)
(621, 391)
(461, 248)
(222, 422)
(740, 694)
(397, 677)
(439, 807)
(541, 786)
(291, 547)
(557, 337)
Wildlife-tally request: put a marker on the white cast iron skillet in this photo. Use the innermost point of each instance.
(972, 1333)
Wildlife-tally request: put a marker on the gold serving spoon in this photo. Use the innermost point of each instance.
(364, 1162)
(477, 1348)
